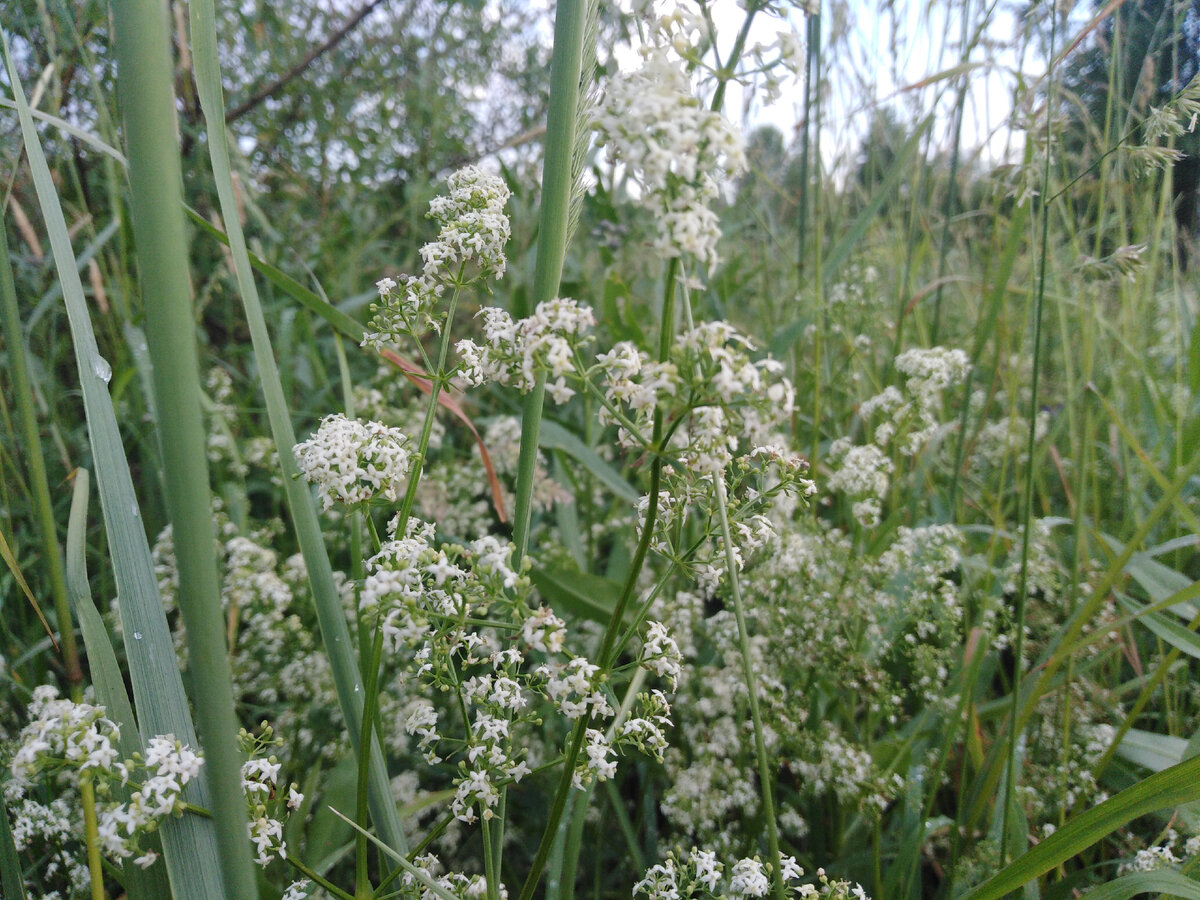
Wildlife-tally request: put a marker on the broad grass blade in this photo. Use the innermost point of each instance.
(189, 843)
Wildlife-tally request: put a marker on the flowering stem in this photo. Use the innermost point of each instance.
(491, 876)
(315, 877)
(91, 831)
(622, 420)
(371, 687)
(435, 388)
(765, 776)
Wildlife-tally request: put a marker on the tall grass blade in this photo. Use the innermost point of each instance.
(559, 182)
(839, 253)
(336, 634)
(147, 100)
(189, 843)
(36, 463)
(12, 885)
(1160, 881)
(1163, 790)
(107, 681)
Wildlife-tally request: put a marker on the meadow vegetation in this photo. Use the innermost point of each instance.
(513, 480)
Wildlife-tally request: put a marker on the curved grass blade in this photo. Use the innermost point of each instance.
(189, 843)
(107, 681)
(147, 102)
(19, 577)
(334, 631)
(1170, 787)
(1160, 881)
(11, 883)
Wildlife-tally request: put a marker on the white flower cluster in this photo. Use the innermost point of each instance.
(930, 371)
(260, 777)
(462, 624)
(351, 461)
(457, 884)
(600, 764)
(1172, 851)
(169, 766)
(576, 688)
(69, 741)
(469, 248)
(863, 474)
(675, 150)
(297, 890)
(646, 730)
(767, 481)
(660, 654)
(700, 874)
(927, 373)
(516, 352)
(62, 733)
(710, 383)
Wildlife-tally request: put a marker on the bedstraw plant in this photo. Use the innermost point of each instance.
(686, 519)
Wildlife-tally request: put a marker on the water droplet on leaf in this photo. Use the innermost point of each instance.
(102, 369)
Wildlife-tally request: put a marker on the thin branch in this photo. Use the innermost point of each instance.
(279, 83)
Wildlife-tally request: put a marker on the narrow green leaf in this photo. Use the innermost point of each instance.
(289, 285)
(107, 681)
(1172, 632)
(1170, 787)
(67, 128)
(590, 596)
(18, 576)
(331, 620)
(1158, 881)
(554, 437)
(12, 885)
(1154, 751)
(189, 843)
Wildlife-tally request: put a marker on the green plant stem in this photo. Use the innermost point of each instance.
(335, 633)
(489, 862)
(1027, 499)
(91, 835)
(570, 23)
(371, 694)
(36, 461)
(317, 878)
(766, 776)
(147, 100)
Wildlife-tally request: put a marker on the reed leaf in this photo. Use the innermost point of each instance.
(334, 631)
(189, 843)
(1171, 787)
(155, 179)
(11, 883)
(107, 680)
